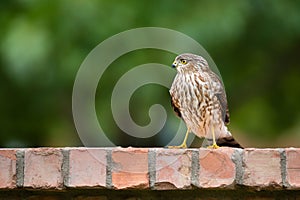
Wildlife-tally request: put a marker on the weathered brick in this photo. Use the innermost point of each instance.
(87, 167)
(42, 168)
(216, 168)
(262, 168)
(7, 168)
(293, 167)
(130, 168)
(173, 169)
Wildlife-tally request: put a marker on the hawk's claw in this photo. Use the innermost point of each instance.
(214, 146)
(183, 145)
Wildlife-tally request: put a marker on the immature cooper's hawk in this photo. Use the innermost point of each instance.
(199, 98)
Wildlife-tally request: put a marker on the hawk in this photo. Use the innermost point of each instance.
(198, 97)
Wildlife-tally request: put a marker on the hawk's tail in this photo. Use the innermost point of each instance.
(228, 141)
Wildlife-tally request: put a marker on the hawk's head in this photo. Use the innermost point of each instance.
(188, 62)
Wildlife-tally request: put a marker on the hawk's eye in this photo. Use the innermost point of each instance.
(183, 61)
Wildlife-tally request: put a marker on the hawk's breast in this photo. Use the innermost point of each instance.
(189, 98)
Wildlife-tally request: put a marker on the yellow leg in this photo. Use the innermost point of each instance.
(214, 145)
(183, 145)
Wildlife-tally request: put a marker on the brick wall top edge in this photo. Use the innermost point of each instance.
(156, 168)
(119, 147)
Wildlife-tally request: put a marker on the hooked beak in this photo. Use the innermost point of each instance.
(174, 65)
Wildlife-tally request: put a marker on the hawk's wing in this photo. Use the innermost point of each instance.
(221, 95)
(175, 107)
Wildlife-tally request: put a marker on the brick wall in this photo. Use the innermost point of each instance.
(149, 173)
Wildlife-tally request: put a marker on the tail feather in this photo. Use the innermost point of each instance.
(228, 142)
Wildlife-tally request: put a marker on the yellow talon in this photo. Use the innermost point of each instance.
(183, 145)
(214, 145)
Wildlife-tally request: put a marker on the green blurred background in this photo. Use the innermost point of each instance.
(255, 44)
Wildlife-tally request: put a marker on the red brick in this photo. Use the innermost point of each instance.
(7, 168)
(262, 168)
(293, 167)
(87, 167)
(216, 168)
(130, 168)
(42, 168)
(173, 169)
